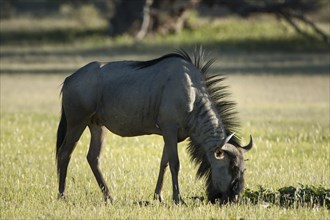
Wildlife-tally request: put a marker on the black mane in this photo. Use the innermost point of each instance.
(219, 95)
(226, 108)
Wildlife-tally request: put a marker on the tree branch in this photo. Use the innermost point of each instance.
(312, 25)
(145, 22)
(288, 18)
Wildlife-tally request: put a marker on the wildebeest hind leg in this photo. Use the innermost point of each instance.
(72, 136)
(97, 138)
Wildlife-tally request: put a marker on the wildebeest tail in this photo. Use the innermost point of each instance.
(61, 131)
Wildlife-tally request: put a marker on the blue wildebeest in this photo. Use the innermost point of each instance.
(172, 96)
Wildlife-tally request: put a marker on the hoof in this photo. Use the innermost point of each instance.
(108, 199)
(158, 197)
(61, 196)
(180, 201)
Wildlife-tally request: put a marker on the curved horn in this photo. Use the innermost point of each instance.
(229, 137)
(249, 146)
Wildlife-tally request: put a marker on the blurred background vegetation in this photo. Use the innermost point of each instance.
(280, 25)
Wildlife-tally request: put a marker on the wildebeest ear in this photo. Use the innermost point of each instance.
(249, 146)
(230, 149)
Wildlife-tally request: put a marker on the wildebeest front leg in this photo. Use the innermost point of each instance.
(97, 137)
(160, 181)
(171, 151)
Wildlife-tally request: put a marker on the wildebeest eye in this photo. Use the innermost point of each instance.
(219, 154)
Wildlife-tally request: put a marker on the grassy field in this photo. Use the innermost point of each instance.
(283, 100)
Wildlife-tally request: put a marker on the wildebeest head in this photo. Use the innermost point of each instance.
(226, 180)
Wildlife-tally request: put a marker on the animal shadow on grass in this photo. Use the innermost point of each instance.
(146, 203)
(193, 201)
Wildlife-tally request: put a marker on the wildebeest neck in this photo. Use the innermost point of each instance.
(205, 126)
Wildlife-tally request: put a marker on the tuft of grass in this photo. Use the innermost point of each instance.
(289, 196)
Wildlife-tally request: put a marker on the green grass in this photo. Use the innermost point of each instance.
(291, 131)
